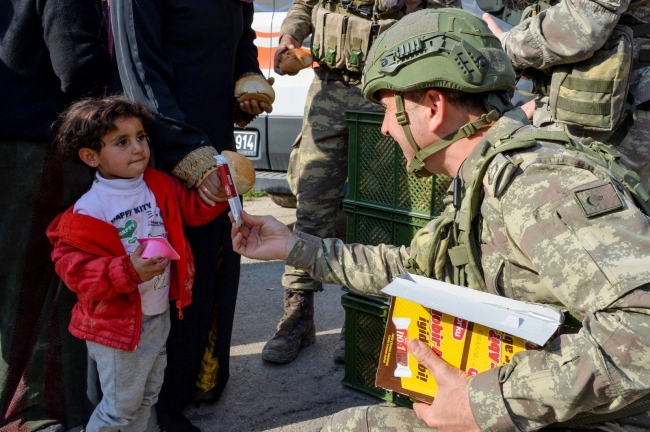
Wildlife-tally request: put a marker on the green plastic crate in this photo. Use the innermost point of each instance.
(371, 226)
(365, 321)
(377, 175)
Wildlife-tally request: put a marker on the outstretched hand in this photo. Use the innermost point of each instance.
(492, 25)
(450, 410)
(262, 237)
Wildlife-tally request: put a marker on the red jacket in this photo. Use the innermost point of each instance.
(89, 257)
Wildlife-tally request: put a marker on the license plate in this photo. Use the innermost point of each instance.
(246, 142)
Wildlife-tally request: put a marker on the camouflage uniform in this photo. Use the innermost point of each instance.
(569, 32)
(319, 161)
(540, 241)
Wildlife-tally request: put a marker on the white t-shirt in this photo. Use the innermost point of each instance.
(130, 206)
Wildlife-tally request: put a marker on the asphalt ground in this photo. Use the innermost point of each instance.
(260, 396)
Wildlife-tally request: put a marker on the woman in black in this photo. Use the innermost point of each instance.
(181, 58)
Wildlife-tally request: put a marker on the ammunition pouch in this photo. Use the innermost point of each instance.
(343, 34)
(592, 93)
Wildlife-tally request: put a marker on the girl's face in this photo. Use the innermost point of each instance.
(125, 150)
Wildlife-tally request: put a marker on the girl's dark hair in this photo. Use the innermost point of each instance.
(86, 121)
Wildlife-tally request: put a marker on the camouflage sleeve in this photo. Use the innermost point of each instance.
(363, 269)
(298, 20)
(567, 32)
(589, 244)
(415, 5)
(437, 4)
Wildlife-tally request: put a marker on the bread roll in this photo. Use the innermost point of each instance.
(254, 87)
(293, 60)
(244, 174)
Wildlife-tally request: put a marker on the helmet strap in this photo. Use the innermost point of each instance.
(416, 165)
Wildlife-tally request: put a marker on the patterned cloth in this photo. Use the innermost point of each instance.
(42, 368)
(556, 229)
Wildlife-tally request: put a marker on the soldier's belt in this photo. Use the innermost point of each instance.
(346, 76)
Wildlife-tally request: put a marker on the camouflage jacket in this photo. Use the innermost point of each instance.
(298, 21)
(571, 31)
(541, 241)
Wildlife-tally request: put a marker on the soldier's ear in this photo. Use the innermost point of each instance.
(435, 107)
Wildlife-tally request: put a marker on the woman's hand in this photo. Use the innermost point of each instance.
(211, 190)
(262, 237)
(254, 107)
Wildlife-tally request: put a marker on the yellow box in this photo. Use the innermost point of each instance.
(467, 345)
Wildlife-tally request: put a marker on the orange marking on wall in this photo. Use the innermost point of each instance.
(262, 34)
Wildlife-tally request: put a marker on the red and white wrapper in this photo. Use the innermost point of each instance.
(224, 169)
(401, 344)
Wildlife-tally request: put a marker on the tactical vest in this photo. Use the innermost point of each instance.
(592, 94)
(344, 30)
(451, 252)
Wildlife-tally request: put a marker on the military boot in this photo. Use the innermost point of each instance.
(296, 328)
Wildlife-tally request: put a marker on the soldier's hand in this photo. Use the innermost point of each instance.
(529, 109)
(262, 237)
(286, 42)
(492, 24)
(450, 411)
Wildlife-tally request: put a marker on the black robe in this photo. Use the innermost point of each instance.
(51, 52)
(181, 58)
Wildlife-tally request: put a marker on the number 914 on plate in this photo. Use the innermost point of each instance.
(246, 142)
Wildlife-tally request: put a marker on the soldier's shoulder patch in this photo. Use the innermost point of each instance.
(498, 174)
(599, 200)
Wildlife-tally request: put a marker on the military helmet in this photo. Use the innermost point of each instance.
(442, 48)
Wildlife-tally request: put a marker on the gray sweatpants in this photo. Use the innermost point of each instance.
(130, 380)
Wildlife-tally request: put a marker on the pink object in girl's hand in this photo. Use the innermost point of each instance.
(158, 246)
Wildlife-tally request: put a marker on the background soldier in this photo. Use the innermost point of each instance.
(342, 32)
(529, 229)
(573, 39)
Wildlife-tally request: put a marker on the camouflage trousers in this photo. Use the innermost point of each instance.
(375, 418)
(318, 166)
(380, 418)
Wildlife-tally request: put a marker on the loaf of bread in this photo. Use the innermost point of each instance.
(254, 87)
(244, 175)
(293, 60)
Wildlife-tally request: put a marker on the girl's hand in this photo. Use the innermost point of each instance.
(148, 268)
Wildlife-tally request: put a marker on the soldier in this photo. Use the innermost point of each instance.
(565, 48)
(535, 217)
(342, 33)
